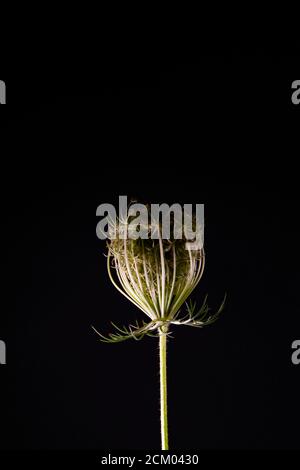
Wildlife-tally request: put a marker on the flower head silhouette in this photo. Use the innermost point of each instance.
(157, 276)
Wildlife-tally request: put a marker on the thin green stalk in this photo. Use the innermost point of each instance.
(163, 390)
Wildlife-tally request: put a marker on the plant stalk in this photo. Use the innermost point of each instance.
(163, 390)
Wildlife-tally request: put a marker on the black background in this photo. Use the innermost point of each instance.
(222, 131)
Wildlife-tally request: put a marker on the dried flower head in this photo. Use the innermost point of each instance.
(157, 276)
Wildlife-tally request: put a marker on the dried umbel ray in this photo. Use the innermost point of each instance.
(157, 276)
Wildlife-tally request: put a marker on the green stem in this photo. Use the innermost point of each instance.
(163, 390)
